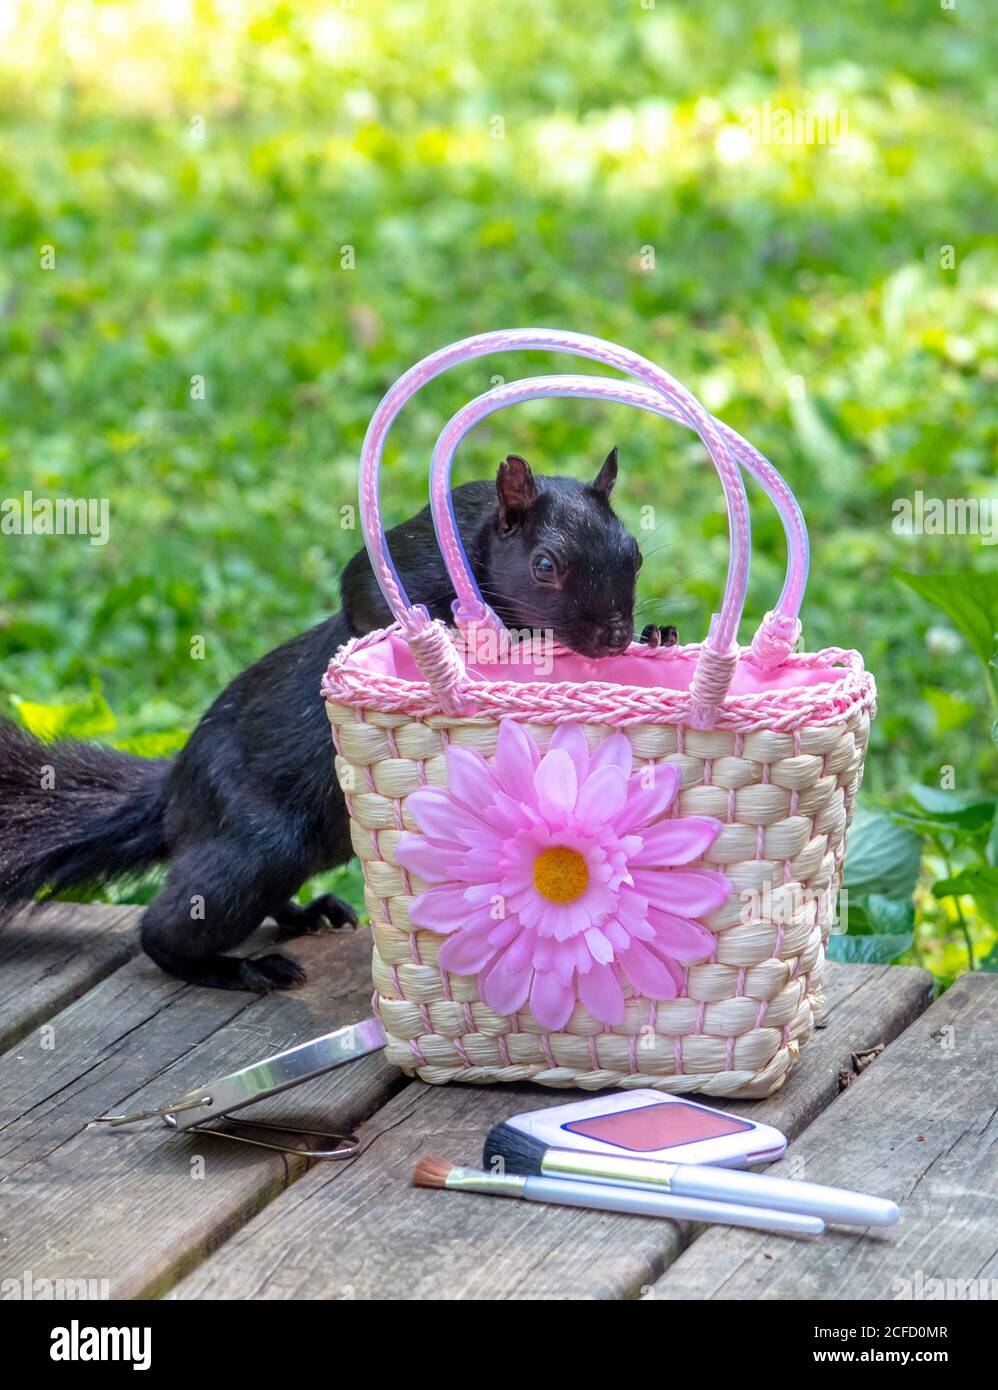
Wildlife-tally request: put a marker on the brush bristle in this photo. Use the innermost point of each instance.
(431, 1172)
(517, 1152)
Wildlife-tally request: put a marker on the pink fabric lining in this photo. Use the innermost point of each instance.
(662, 668)
(644, 685)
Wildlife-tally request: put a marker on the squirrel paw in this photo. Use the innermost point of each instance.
(322, 914)
(656, 636)
(269, 973)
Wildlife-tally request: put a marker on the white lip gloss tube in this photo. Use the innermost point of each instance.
(725, 1185)
(638, 1201)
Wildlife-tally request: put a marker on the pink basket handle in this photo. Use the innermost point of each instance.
(431, 646)
(780, 628)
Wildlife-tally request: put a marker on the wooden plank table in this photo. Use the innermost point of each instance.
(90, 1026)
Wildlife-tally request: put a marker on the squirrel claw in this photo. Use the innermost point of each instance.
(655, 636)
(268, 973)
(322, 914)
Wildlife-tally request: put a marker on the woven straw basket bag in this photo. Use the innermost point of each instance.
(611, 873)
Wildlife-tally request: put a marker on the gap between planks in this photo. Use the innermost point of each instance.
(53, 954)
(139, 1206)
(918, 1126)
(359, 1230)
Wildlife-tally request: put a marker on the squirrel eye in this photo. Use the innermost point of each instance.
(543, 568)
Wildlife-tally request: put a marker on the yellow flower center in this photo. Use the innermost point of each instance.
(560, 874)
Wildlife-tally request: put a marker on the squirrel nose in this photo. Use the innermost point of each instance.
(615, 636)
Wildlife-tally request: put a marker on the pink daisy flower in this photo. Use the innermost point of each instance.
(556, 878)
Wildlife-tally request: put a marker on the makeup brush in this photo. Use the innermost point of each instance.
(521, 1154)
(438, 1172)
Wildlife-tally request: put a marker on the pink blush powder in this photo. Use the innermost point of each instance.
(657, 1126)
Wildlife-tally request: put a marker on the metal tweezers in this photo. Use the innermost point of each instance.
(268, 1078)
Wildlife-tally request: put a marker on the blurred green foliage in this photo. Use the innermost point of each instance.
(259, 214)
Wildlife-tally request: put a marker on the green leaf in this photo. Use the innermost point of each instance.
(818, 440)
(969, 600)
(977, 881)
(883, 858)
(969, 811)
(20, 636)
(951, 711)
(945, 811)
(991, 850)
(856, 919)
(890, 916)
(944, 803)
(990, 962)
(83, 720)
(154, 745)
(877, 915)
(867, 950)
(347, 882)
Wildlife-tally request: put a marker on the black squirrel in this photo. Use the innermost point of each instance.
(250, 808)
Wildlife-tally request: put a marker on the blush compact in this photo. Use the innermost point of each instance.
(645, 1124)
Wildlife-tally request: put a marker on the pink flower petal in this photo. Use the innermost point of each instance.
(580, 917)
(482, 895)
(676, 842)
(476, 866)
(601, 994)
(679, 937)
(515, 879)
(601, 796)
(466, 952)
(557, 921)
(632, 909)
(508, 815)
(432, 860)
(564, 962)
(646, 803)
(551, 999)
(647, 973)
(529, 904)
(516, 758)
(439, 816)
(571, 738)
(445, 909)
(615, 751)
(505, 986)
(618, 938)
(556, 786)
(520, 954)
(688, 892)
(507, 929)
(545, 952)
(673, 966)
(637, 928)
(478, 836)
(599, 946)
(469, 776)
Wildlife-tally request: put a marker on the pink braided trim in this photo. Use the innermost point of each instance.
(775, 640)
(600, 702)
(434, 654)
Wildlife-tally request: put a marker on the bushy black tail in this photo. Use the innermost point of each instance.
(73, 813)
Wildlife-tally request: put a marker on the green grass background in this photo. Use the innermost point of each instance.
(199, 170)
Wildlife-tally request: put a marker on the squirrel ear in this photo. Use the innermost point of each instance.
(516, 490)
(607, 476)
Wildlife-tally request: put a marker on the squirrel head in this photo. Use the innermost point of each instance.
(560, 560)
